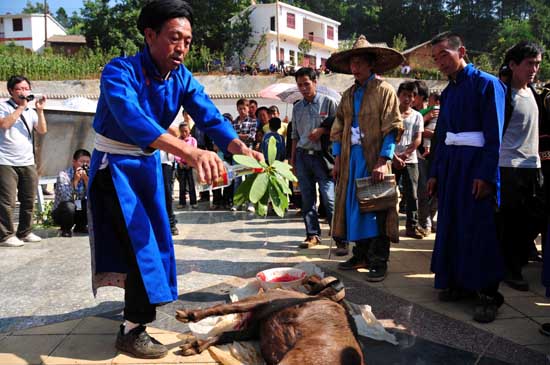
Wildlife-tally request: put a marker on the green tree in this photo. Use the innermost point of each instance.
(510, 32)
(399, 42)
(304, 46)
(38, 7)
(62, 17)
(238, 34)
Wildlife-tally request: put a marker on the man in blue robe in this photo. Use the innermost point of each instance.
(467, 257)
(129, 233)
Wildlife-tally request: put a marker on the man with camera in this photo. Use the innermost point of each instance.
(18, 175)
(69, 207)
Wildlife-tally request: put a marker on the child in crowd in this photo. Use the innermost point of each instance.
(405, 159)
(433, 104)
(246, 129)
(184, 171)
(274, 125)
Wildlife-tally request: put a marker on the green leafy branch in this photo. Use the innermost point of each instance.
(268, 186)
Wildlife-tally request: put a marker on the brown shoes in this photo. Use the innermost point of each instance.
(310, 241)
(413, 232)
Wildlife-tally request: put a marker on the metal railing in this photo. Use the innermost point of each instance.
(313, 38)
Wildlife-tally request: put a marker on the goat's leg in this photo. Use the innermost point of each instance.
(242, 306)
(194, 346)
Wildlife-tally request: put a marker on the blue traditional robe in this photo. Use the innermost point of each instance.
(136, 106)
(359, 225)
(467, 252)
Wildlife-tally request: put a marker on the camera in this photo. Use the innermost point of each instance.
(85, 167)
(31, 97)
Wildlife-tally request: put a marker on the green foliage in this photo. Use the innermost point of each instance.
(270, 186)
(238, 36)
(304, 46)
(87, 64)
(37, 8)
(44, 218)
(399, 42)
(484, 62)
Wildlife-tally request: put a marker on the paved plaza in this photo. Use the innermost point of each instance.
(49, 316)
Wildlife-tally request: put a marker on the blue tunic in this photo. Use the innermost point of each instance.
(136, 106)
(466, 252)
(361, 225)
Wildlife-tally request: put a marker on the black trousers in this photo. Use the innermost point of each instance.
(137, 307)
(168, 177)
(521, 216)
(375, 250)
(66, 215)
(187, 183)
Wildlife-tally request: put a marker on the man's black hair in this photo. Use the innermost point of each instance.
(306, 71)
(16, 79)
(81, 152)
(274, 124)
(422, 89)
(435, 95)
(156, 12)
(252, 101)
(261, 108)
(274, 109)
(228, 116)
(521, 51)
(455, 39)
(408, 86)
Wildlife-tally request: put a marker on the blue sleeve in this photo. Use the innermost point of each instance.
(388, 145)
(205, 114)
(119, 88)
(492, 102)
(336, 148)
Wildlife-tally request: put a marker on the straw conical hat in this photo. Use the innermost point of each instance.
(386, 58)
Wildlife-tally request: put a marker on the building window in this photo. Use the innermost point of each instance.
(330, 32)
(290, 21)
(281, 54)
(292, 57)
(272, 23)
(17, 24)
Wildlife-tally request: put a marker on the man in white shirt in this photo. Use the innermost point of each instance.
(17, 169)
(521, 201)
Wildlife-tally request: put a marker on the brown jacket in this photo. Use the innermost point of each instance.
(379, 115)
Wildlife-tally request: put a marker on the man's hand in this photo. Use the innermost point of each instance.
(237, 147)
(80, 175)
(209, 166)
(316, 134)
(434, 113)
(432, 186)
(336, 169)
(40, 103)
(399, 161)
(380, 170)
(481, 189)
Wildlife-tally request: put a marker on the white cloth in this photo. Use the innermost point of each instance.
(108, 145)
(356, 135)
(474, 139)
(15, 142)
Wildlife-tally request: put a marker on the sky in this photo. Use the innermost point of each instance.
(16, 6)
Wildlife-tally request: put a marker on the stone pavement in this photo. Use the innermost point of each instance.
(48, 315)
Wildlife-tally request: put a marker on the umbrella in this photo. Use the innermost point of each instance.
(289, 93)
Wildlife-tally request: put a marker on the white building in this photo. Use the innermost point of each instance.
(28, 30)
(294, 24)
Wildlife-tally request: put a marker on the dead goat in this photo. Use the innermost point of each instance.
(293, 328)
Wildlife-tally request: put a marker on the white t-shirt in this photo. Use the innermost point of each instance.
(520, 143)
(15, 142)
(413, 124)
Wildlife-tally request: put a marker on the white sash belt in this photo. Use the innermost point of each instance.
(108, 145)
(356, 135)
(474, 139)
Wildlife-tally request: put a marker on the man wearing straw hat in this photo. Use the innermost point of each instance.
(467, 258)
(368, 124)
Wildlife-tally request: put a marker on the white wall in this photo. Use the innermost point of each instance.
(33, 27)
